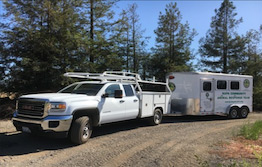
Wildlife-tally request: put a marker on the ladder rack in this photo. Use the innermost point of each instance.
(107, 76)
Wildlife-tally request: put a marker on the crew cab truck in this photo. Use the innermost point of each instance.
(75, 110)
(205, 93)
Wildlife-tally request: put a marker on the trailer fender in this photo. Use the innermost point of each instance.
(236, 105)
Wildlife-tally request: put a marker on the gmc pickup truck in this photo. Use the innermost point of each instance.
(75, 110)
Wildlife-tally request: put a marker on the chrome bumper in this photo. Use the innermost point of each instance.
(64, 122)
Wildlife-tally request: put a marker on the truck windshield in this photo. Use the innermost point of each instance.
(83, 88)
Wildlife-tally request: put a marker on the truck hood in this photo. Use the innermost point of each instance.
(61, 97)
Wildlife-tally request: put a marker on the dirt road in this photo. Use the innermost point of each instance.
(133, 143)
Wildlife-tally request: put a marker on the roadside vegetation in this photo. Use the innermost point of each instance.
(251, 131)
(244, 150)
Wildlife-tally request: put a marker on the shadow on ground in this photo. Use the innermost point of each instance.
(17, 143)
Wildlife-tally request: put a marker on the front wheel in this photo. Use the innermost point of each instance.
(81, 130)
(157, 117)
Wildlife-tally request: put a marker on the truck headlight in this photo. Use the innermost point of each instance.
(57, 106)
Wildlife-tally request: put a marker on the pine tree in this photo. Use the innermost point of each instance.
(172, 51)
(253, 63)
(134, 42)
(43, 42)
(221, 43)
(102, 39)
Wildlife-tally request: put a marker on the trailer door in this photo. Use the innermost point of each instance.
(207, 96)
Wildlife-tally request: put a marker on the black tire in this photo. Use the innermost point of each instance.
(157, 117)
(243, 112)
(233, 113)
(81, 130)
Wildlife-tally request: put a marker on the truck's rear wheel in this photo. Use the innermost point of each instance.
(243, 112)
(81, 130)
(233, 113)
(157, 117)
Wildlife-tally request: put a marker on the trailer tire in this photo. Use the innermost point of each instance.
(157, 117)
(233, 113)
(81, 130)
(243, 112)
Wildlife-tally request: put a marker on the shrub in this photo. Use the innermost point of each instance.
(251, 131)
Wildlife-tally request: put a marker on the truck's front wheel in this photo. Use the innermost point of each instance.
(81, 130)
(157, 117)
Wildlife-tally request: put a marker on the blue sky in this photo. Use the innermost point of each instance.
(197, 13)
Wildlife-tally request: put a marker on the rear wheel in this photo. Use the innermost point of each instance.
(81, 130)
(243, 112)
(157, 117)
(233, 113)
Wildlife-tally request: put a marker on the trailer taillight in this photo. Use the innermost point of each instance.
(171, 77)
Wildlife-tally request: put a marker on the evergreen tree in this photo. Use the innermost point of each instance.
(253, 63)
(48, 38)
(172, 51)
(221, 43)
(102, 39)
(43, 41)
(2, 66)
(134, 42)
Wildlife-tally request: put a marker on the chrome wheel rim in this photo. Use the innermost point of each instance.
(86, 132)
(157, 118)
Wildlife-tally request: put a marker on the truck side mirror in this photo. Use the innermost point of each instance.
(105, 95)
(118, 93)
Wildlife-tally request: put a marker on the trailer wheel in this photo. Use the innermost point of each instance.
(233, 113)
(157, 117)
(81, 130)
(243, 112)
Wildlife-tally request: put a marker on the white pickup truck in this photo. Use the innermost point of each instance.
(76, 109)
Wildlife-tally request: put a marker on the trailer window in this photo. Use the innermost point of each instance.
(221, 84)
(234, 85)
(207, 86)
(128, 90)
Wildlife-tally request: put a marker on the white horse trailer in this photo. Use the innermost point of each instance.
(204, 93)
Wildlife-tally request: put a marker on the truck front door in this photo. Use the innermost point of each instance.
(112, 109)
(207, 96)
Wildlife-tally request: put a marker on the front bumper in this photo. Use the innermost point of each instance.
(47, 124)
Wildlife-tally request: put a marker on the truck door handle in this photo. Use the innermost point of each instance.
(122, 101)
(135, 100)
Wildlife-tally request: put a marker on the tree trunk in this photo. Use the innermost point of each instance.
(91, 30)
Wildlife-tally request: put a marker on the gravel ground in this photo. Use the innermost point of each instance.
(176, 142)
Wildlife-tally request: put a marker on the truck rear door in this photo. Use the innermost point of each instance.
(132, 102)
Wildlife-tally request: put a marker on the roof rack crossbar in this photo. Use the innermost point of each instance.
(106, 76)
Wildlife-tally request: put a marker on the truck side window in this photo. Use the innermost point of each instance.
(221, 84)
(207, 86)
(234, 85)
(110, 90)
(128, 90)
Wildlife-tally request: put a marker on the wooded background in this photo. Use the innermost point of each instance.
(40, 40)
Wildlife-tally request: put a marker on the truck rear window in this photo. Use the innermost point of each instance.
(149, 87)
(128, 90)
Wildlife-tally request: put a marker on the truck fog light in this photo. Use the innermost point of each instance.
(53, 124)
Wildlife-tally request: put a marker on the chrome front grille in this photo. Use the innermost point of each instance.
(31, 108)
